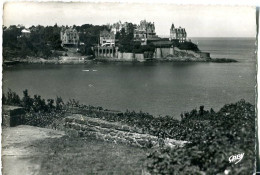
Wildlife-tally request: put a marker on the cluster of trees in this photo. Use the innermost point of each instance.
(39, 43)
(39, 112)
(43, 39)
(89, 34)
(33, 104)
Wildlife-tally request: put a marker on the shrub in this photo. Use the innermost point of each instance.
(11, 98)
(188, 46)
(228, 132)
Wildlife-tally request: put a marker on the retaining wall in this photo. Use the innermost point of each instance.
(165, 52)
(120, 55)
(128, 56)
(197, 55)
(81, 126)
(69, 59)
(174, 52)
(139, 56)
(205, 55)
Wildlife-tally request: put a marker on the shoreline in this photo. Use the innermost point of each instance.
(97, 60)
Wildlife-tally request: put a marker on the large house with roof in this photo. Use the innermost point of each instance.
(145, 31)
(69, 37)
(178, 34)
(107, 38)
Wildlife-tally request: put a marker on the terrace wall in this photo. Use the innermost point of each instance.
(165, 52)
(128, 56)
(82, 126)
(139, 56)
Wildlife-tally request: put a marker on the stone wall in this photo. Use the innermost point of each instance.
(158, 53)
(82, 126)
(190, 52)
(165, 52)
(161, 53)
(120, 55)
(204, 54)
(96, 112)
(175, 52)
(139, 57)
(71, 59)
(128, 56)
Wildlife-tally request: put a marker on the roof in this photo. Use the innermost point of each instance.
(106, 33)
(26, 31)
(10, 108)
(172, 27)
(70, 30)
(162, 43)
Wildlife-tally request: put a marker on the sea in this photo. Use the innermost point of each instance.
(160, 89)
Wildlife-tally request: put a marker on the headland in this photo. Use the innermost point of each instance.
(126, 42)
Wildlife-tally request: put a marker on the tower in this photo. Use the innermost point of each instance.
(178, 33)
(173, 34)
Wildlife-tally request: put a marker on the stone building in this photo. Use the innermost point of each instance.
(145, 31)
(107, 38)
(26, 33)
(178, 33)
(69, 37)
(105, 51)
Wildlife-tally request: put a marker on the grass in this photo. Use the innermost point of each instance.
(68, 155)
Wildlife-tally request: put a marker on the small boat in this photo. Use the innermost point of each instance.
(85, 70)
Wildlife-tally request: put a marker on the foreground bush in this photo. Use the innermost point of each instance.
(39, 112)
(229, 132)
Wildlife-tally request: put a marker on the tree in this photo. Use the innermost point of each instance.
(50, 105)
(12, 98)
(44, 39)
(59, 103)
(27, 101)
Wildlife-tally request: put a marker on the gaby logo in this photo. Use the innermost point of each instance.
(236, 158)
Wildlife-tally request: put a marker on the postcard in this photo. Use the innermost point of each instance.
(129, 88)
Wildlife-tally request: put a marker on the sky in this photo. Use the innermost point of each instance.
(198, 20)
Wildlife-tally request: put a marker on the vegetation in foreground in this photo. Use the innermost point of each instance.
(81, 156)
(213, 136)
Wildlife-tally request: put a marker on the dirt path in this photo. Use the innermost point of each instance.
(19, 151)
(28, 150)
